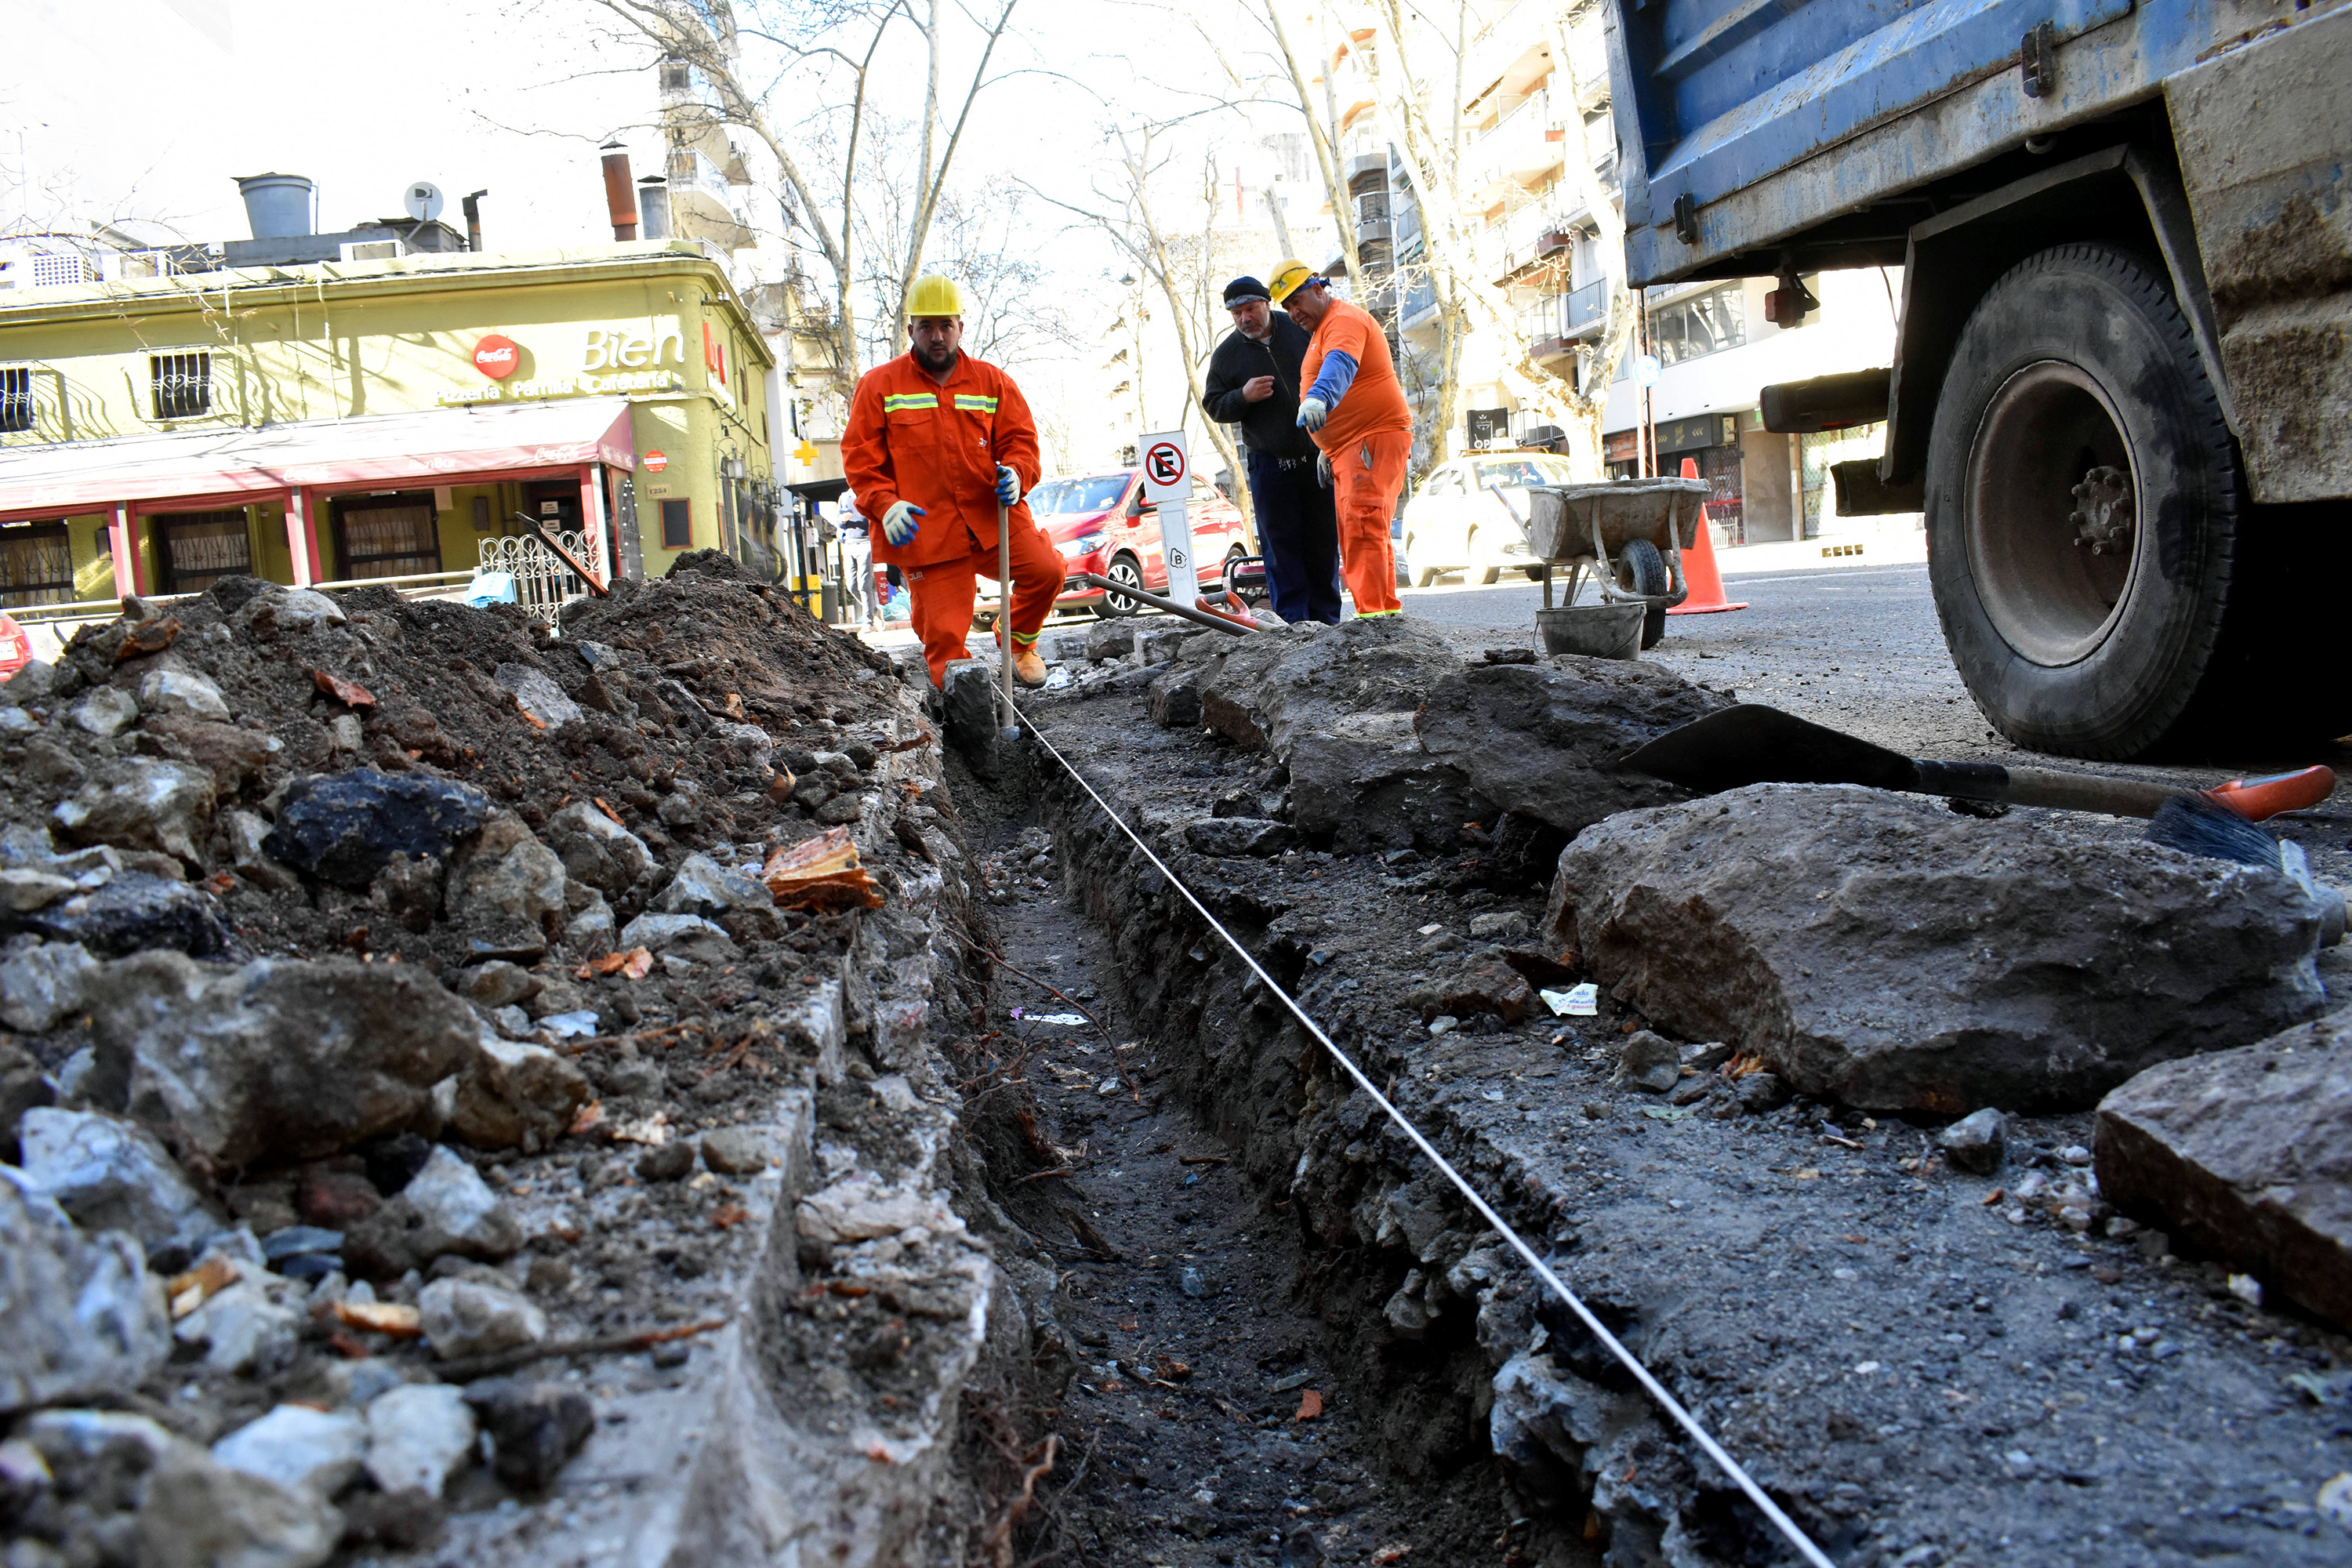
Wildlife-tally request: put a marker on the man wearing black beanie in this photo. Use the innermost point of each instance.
(1252, 382)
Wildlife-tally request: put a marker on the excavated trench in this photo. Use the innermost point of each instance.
(1919, 1376)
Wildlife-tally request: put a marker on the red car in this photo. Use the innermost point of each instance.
(16, 647)
(1101, 523)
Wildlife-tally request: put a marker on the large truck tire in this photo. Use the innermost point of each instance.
(2085, 505)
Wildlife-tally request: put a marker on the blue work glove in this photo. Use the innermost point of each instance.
(1008, 487)
(1312, 411)
(899, 522)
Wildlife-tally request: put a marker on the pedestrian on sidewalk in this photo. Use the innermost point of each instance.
(1254, 383)
(938, 442)
(1355, 408)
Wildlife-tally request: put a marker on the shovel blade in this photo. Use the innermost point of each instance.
(1755, 745)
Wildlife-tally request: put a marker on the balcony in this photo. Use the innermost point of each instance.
(1524, 150)
(1529, 237)
(1585, 309)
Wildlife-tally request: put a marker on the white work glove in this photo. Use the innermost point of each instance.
(899, 522)
(1312, 411)
(1323, 470)
(1008, 487)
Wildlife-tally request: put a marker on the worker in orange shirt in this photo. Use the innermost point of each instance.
(938, 441)
(1354, 407)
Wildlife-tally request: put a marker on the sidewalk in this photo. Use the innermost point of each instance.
(1908, 548)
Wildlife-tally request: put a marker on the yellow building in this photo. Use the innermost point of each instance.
(334, 421)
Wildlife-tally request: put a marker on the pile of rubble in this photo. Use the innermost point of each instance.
(471, 1086)
(1831, 1077)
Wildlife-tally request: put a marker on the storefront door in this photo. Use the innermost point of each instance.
(197, 549)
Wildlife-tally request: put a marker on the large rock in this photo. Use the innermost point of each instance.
(142, 802)
(83, 1316)
(1547, 741)
(198, 1513)
(1901, 957)
(112, 1175)
(345, 827)
(446, 1207)
(41, 983)
(597, 850)
(134, 912)
(279, 1058)
(508, 875)
(1336, 705)
(300, 1449)
(418, 1435)
(2247, 1155)
(512, 1092)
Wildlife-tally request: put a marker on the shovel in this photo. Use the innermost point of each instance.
(1751, 744)
(1012, 729)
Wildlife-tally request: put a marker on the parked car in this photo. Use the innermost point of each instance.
(1470, 516)
(1101, 524)
(16, 647)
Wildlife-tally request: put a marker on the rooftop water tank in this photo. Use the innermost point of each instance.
(277, 205)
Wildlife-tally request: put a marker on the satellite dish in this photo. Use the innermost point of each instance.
(422, 201)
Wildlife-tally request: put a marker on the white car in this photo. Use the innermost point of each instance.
(1470, 516)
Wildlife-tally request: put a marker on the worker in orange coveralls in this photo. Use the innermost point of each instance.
(936, 441)
(1353, 405)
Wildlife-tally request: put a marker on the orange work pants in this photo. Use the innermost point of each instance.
(1367, 476)
(941, 596)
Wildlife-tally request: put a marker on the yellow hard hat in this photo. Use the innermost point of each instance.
(933, 295)
(1288, 277)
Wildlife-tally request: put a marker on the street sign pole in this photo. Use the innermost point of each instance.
(1168, 485)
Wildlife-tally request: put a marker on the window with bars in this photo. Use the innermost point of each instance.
(387, 536)
(16, 399)
(36, 565)
(182, 382)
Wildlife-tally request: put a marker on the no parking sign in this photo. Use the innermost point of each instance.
(1168, 485)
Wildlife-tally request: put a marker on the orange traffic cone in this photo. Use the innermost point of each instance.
(1699, 568)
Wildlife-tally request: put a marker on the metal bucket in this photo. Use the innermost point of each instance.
(1597, 631)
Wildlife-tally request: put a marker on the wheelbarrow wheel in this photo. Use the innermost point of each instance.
(1641, 569)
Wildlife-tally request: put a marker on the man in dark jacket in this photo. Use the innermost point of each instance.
(1254, 383)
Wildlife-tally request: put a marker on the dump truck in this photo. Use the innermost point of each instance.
(2121, 388)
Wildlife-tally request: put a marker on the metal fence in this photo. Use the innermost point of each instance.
(543, 583)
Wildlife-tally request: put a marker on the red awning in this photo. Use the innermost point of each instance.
(435, 447)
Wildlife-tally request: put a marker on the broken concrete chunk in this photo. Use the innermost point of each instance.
(290, 610)
(1650, 1061)
(534, 1427)
(112, 1175)
(84, 1317)
(1976, 1142)
(458, 1212)
(679, 936)
(183, 692)
(2246, 1156)
(41, 983)
(342, 828)
(498, 984)
(508, 874)
(283, 1058)
(142, 802)
(1545, 741)
(1173, 700)
(248, 832)
(736, 1151)
(300, 1449)
(512, 1091)
(536, 693)
(702, 886)
(1494, 989)
(196, 1513)
(597, 850)
(107, 711)
(242, 1328)
(859, 1207)
(1900, 957)
(419, 1434)
(463, 1318)
(133, 911)
(1238, 835)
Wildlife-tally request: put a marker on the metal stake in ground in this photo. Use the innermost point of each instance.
(1004, 620)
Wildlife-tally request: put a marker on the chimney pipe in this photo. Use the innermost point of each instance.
(653, 207)
(620, 192)
(473, 206)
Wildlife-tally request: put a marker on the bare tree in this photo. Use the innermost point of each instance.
(1408, 106)
(833, 46)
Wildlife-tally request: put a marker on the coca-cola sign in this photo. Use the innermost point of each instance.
(496, 357)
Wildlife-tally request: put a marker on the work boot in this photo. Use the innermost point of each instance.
(1027, 668)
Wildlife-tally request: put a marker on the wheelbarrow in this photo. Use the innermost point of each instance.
(1627, 536)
